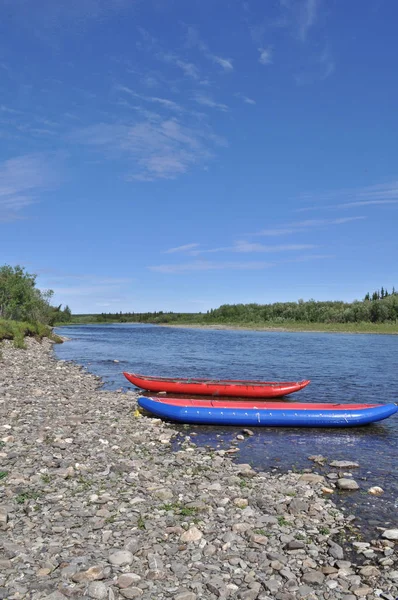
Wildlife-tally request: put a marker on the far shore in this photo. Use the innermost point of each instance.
(290, 327)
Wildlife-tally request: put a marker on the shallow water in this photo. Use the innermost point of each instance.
(342, 368)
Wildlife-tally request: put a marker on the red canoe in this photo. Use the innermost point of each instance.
(208, 387)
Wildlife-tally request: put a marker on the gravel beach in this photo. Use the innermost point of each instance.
(94, 503)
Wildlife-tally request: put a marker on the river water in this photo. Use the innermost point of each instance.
(342, 368)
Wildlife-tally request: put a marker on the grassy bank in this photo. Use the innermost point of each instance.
(379, 328)
(18, 330)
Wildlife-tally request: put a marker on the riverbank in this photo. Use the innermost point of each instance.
(95, 504)
(290, 326)
(358, 328)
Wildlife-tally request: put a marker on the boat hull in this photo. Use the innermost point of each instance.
(203, 387)
(267, 414)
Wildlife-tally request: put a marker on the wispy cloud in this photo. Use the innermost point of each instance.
(203, 265)
(188, 68)
(265, 57)
(307, 16)
(245, 99)
(165, 102)
(194, 41)
(184, 248)
(225, 63)
(21, 179)
(305, 225)
(300, 15)
(153, 150)
(245, 247)
(375, 195)
(206, 100)
(210, 266)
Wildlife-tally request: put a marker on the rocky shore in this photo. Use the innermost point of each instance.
(95, 504)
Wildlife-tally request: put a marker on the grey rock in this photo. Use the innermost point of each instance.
(186, 595)
(335, 550)
(314, 577)
(344, 464)
(390, 534)
(347, 484)
(98, 590)
(121, 558)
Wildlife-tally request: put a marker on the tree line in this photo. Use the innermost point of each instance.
(378, 307)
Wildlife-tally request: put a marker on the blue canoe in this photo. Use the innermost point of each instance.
(266, 414)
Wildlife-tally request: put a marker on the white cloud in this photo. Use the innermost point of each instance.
(245, 99)
(202, 265)
(305, 225)
(153, 150)
(210, 266)
(194, 41)
(375, 195)
(307, 16)
(243, 246)
(165, 102)
(21, 179)
(265, 56)
(188, 68)
(184, 248)
(225, 63)
(206, 100)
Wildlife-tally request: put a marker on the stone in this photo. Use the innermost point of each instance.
(369, 571)
(376, 491)
(132, 592)
(344, 464)
(298, 506)
(362, 592)
(92, 574)
(273, 585)
(295, 545)
(335, 550)
(252, 593)
(312, 478)
(127, 579)
(185, 596)
(241, 502)
(191, 535)
(314, 577)
(56, 596)
(98, 590)
(318, 458)
(121, 558)
(347, 484)
(390, 534)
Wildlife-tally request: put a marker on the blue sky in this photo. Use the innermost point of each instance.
(184, 154)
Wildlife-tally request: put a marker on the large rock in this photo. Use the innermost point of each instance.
(390, 534)
(347, 484)
(344, 464)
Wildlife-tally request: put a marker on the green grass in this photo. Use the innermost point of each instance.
(18, 330)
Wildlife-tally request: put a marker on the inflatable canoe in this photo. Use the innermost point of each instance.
(266, 414)
(207, 387)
